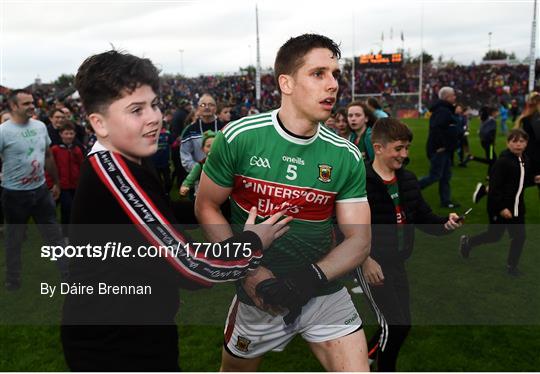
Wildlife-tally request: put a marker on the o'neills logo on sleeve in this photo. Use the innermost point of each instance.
(305, 203)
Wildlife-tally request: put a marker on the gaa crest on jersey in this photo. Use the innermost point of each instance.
(242, 344)
(325, 173)
(260, 162)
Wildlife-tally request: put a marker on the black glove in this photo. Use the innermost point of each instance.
(292, 291)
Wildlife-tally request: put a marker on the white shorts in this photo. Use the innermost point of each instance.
(251, 332)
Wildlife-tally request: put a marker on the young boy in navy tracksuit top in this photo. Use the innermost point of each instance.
(397, 209)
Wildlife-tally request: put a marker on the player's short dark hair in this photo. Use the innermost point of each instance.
(367, 112)
(108, 76)
(290, 56)
(12, 96)
(66, 125)
(388, 130)
(516, 134)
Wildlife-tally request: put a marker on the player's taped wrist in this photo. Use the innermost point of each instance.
(293, 290)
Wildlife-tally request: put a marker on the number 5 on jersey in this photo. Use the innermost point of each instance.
(291, 172)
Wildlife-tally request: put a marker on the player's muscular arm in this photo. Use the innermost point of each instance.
(210, 196)
(295, 289)
(354, 221)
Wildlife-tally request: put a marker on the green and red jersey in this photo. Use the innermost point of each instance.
(271, 169)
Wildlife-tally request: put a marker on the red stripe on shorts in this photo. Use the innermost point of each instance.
(231, 322)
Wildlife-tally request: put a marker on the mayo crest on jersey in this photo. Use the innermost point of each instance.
(273, 170)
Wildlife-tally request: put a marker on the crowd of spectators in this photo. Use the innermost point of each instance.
(475, 84)
(236, 90)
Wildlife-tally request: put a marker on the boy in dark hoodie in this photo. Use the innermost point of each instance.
(397, 209)
(509, 176)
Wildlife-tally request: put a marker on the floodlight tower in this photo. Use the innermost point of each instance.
(532, 55)
(258, 70)
(353, 61)
(421, 68)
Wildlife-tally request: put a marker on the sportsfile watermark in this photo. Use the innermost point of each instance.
(120, 250)
(451, 280)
